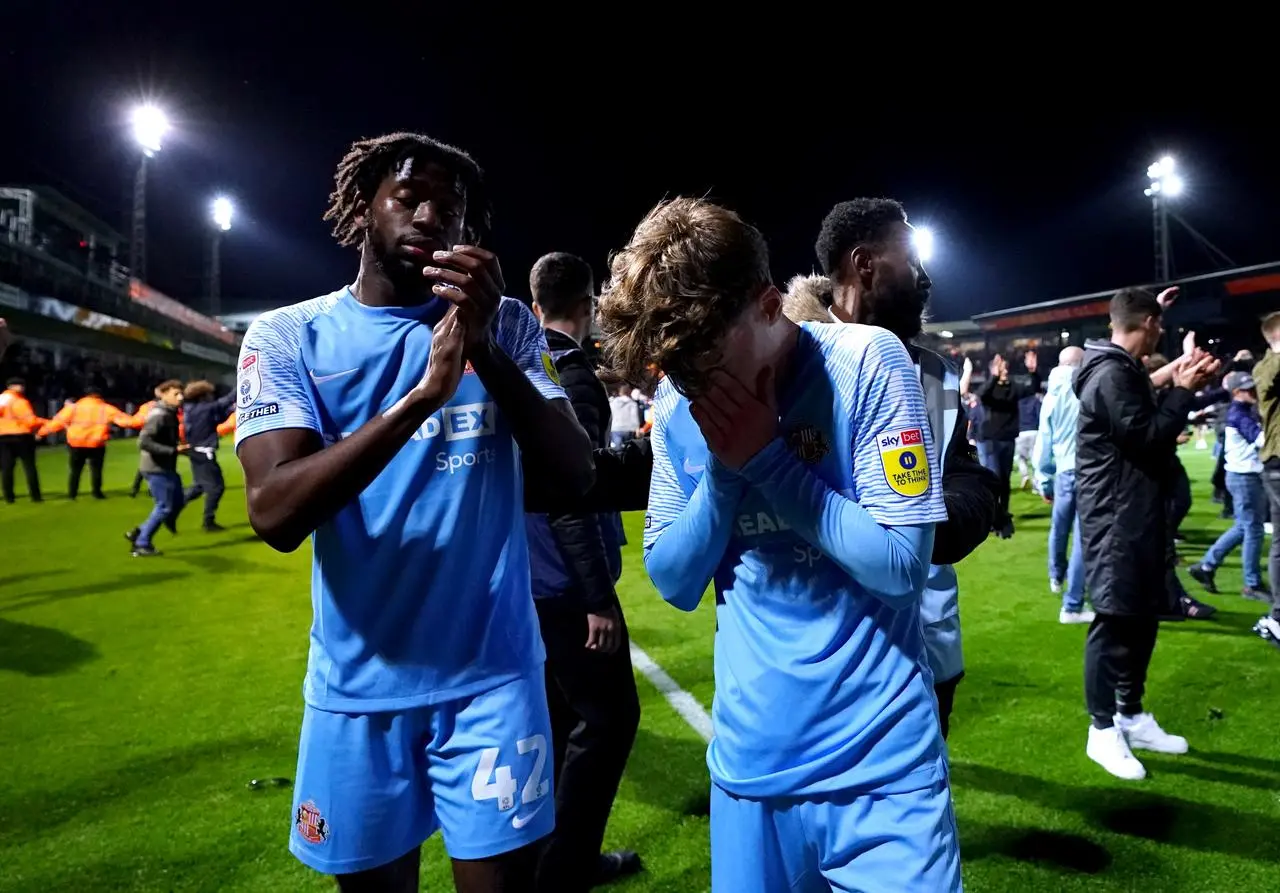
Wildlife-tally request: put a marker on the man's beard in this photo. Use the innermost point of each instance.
(899, 310)
(405, 275)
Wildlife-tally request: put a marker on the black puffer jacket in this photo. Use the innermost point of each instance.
(576, 553)
(1125, 448)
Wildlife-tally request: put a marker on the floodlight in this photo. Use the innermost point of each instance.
(923, 239)
(150, 125)
(222, 213)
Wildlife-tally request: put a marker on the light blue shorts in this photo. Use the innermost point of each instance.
(372, 787)
(871, 843)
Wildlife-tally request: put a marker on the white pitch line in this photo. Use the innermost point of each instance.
(681, 701)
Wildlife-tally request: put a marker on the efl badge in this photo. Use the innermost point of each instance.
(311, 824)
(549, 365)
(808, 444)
(248, 380)
(906, 467)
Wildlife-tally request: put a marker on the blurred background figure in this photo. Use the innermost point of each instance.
(88, 423)
(18, 424)
(202, 414)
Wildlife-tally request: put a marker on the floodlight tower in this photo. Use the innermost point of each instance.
(149, 128)
(221, 213)
(1165, 185)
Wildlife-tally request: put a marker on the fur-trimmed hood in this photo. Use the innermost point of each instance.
(808, 299)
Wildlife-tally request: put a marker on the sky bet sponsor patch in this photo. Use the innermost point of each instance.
(906, 467)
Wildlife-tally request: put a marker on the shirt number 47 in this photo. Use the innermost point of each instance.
(494, 782)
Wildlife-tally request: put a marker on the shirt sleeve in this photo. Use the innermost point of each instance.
(521, 337)
(896, 477)
(271, 394)
(685, 537)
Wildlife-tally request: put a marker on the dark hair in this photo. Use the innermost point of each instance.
(689, 271)
(853, 223)
(92, 392)
(168, 385)
(560, 283)
(368, 162)
(196, 391)
(1131, 307)
(16, 382)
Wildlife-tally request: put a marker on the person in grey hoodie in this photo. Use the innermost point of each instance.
(1054, 466)
(160, 446)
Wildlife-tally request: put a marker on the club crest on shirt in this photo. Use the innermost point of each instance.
(808, 443)
(902, 456)
(549, 365)
(312, 826)
(249, 380)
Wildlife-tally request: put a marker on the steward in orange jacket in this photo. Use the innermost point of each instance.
(18, 424)
(88, 424)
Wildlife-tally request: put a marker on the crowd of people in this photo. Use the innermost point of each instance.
(460, 465)
(165, 428)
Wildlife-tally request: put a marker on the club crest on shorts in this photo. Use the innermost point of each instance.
(549, 365)
(468, 369)
(311, 825)
(808, 443)
(902, 456)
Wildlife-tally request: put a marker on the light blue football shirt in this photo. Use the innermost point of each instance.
(420, 587)
(821, 683)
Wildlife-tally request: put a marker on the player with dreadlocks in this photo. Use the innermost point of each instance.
(388, 421)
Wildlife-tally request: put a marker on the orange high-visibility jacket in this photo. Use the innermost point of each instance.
(87, 422)
(140, 417)
(228, 427)
(16, 414)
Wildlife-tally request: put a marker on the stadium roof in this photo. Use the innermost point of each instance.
(1234, 283)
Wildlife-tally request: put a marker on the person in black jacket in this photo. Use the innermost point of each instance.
(1124, 451)
(201, 415)
(1000, 396)
(575, 559)
(877, 278)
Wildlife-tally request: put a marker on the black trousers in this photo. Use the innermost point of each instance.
(80, 456)
(206, 476)
(1117, 654)
(594, 715)
(1000, 460)
(14, 449)
(1271, 481)
(945, 692)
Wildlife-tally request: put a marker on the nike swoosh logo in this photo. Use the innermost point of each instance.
(519, 821)
(690, 468)
(321, 379)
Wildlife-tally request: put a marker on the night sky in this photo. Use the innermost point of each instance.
(1029, 170)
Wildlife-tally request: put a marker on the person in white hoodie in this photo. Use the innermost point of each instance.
(1054, 465)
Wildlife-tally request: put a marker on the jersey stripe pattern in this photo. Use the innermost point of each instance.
(420, 587)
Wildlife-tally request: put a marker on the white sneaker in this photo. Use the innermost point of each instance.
(1075, 616)
(1144, 733)
(1055, 586)
(1109, 750)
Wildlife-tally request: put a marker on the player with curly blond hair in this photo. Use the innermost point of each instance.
(793, 471)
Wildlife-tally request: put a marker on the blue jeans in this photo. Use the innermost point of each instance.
(1251, 509)
(166, 490)
(1066, 522)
